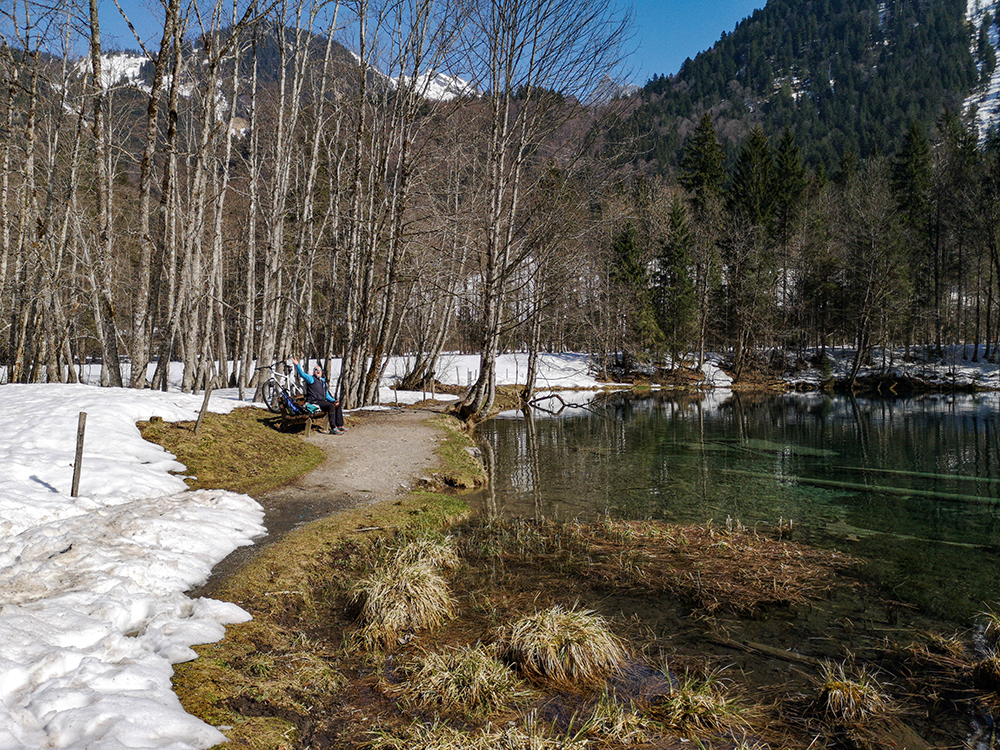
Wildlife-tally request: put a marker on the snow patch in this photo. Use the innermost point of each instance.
(93, 611)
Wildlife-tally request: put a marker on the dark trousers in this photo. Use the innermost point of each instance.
(333, 412)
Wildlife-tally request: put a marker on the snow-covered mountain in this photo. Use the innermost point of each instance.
(118, 68)
(986, 97)
(437, 86)
(125, 69)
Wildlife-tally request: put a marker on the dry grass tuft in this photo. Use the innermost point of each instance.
(467, 681)
(565, 646)
(439, 736)
(852, 698)
(438, 553)
(700, 704)
(618, 722)
(400, 598)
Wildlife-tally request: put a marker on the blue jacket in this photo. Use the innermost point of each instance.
(316, 388)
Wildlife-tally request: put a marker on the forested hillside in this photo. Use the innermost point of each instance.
(844, 76)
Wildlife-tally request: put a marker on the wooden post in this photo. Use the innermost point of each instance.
(204, 408)
(80, 428)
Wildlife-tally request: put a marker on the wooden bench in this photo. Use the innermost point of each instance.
(288, 418)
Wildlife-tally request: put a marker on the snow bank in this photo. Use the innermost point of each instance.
(954, 370)
(92, 610)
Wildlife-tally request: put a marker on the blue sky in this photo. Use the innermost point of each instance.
(666, 31)
(669, 31)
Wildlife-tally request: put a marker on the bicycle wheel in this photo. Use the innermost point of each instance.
(270, 392)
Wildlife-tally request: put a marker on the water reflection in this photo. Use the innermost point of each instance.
(912, 484)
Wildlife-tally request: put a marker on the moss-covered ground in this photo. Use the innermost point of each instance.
(241, 451)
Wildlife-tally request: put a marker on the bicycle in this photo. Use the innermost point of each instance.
(279, 388)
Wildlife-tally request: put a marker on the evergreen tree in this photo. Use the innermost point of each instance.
(912, 184)
(748, 252)
(637, 326)
(752, 190)
(703, 169)
(789, 195)
(674, 295)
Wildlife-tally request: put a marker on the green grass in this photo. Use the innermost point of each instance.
(240, 451)
(462, 469)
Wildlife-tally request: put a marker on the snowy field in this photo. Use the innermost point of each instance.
(93, 611)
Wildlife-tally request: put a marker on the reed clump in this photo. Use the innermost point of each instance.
(620, 721)
(700, 704)
(466, 681)
(852, 696)
(400, 598)
(567, 646)
(441, 736)
(439, 553)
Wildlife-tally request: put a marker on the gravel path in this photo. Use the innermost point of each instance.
(384, 455)
(372, 461)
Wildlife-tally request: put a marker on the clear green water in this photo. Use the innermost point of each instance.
(911, 485)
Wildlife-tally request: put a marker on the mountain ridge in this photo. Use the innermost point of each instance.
(844, 76)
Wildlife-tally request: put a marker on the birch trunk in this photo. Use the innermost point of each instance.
(103, 274)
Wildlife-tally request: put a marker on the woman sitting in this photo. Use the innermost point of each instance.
(319, 394)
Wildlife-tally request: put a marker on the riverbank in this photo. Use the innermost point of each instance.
(383, 454)
(263, 683)
(886, 372)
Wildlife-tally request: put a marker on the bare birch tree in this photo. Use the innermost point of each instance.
(405, 40)
(529, 58)
(102, 273)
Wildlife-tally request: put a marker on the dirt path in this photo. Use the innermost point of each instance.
(380, 457)
(383, 454)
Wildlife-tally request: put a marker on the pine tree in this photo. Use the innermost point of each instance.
(674, 294)
(638, 329)
(912, 185)
(789, 196)
(702, 167)
(752, 191)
